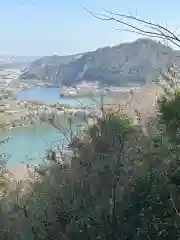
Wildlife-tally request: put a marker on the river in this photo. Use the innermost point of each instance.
(51, 95)
(29, 144)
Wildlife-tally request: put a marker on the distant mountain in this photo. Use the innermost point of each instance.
(9, 61)
(136, 62)
(52, 60)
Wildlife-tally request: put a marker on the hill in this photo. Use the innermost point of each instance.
(136, 62)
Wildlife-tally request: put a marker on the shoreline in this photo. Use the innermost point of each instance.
(20, 171)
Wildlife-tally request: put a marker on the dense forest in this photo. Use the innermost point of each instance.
(123, 182)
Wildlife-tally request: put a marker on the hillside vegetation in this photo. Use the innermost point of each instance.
(138, 62)
(122, 182)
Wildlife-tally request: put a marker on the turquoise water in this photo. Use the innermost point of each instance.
(29, 144)
(51, 95)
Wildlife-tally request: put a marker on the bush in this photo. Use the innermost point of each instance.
(123, 183)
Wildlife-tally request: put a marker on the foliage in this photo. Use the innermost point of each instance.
(123, 183)
(171, 115)
(169, 103)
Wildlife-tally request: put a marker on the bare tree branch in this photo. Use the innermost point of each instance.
(139, 26)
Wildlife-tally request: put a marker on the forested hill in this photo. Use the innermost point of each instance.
(136, 62)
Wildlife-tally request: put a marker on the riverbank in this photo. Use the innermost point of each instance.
(24, 104)
(36, 108)
(16, 113)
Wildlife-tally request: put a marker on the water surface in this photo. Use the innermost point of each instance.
(31, 143)
(52, 95)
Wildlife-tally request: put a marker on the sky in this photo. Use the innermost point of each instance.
(48, 27)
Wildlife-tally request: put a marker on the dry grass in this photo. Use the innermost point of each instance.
(143, 100)
(20, 172)
(5, 119)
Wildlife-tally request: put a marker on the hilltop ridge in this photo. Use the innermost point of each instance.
(137, 62)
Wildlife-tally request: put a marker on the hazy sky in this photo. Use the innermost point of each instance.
(46, 27)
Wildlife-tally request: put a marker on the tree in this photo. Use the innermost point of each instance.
(123, 182)
(141, 27)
